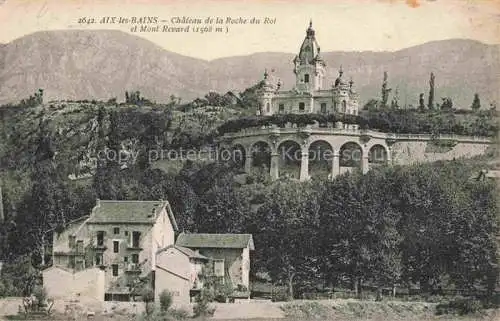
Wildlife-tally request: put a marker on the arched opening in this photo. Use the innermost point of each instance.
(377, 155)
(239, 155)
(290, 155)
(261, 155)
(350, 156)
(320, 159)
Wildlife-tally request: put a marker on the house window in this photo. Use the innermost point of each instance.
(302, 106)
(306, 78)
(115, 269)
(100, 238)
(72, 241)
(126, 233)
(136, 236)
(116, 246)
(323, 108)
(116, 230)
(125, 259)
(99, 259)
(281, 107)
(79, 246)
(219, 268)
(135, 258)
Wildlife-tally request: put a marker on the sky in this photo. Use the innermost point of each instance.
(341, 25)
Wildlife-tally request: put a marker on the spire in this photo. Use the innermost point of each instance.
(351, 82)
(310, 30)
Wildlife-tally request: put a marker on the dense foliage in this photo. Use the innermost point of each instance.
(429, 226)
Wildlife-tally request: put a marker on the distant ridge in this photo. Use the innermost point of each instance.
(101, 64)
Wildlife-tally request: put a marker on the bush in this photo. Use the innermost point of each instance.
(460, 306)
(202, 307)
(165, 300)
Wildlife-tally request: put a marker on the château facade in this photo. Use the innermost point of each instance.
(310, 93)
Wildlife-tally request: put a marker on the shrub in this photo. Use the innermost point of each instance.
(460, 306)
(202, 307)
(165, 300)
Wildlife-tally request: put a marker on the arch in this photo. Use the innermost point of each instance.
(350, 156)
(290, 154)
(239, 155)
(261, 154)
(320, 158)
(377, 155)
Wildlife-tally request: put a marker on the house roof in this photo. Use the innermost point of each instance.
(129, 212)
(224, 241)
(184, 250)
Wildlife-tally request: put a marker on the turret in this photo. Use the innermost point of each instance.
(265, 96)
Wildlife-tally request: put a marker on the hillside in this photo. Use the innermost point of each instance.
(102, 64)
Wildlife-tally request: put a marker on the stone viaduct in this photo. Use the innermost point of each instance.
(329, 151)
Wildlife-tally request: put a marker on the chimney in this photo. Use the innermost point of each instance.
(2, 217)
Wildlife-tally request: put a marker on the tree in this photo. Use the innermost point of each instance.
(447, 104)
(421, 102)
(430, 105)
(283, 229)
(476, 103)
(385, 91)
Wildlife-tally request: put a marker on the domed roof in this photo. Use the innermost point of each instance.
(340, 81)
(266, 83)
(309, 50)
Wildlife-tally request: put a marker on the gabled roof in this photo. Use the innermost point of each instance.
(130, 212)
(222, 241)
(184, 250)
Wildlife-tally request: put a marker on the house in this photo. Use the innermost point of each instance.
(178, 271)
(229, 254)
(115, 246)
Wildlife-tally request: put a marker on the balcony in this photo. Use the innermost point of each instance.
(133, 268)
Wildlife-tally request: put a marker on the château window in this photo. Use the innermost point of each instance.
(281, 107)
(306, 78)
(323, 108)
(268, 107)
(344, 106)
(302, 106)
(116, 246)
(115, 269)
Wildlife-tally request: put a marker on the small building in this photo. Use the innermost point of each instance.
(119, 238)
(178, 271)
(229, 254)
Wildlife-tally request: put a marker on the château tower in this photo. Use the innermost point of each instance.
(309, 66)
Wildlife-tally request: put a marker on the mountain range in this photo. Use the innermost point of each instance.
(101, 64)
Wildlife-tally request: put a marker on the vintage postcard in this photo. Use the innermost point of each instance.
(261, 160)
